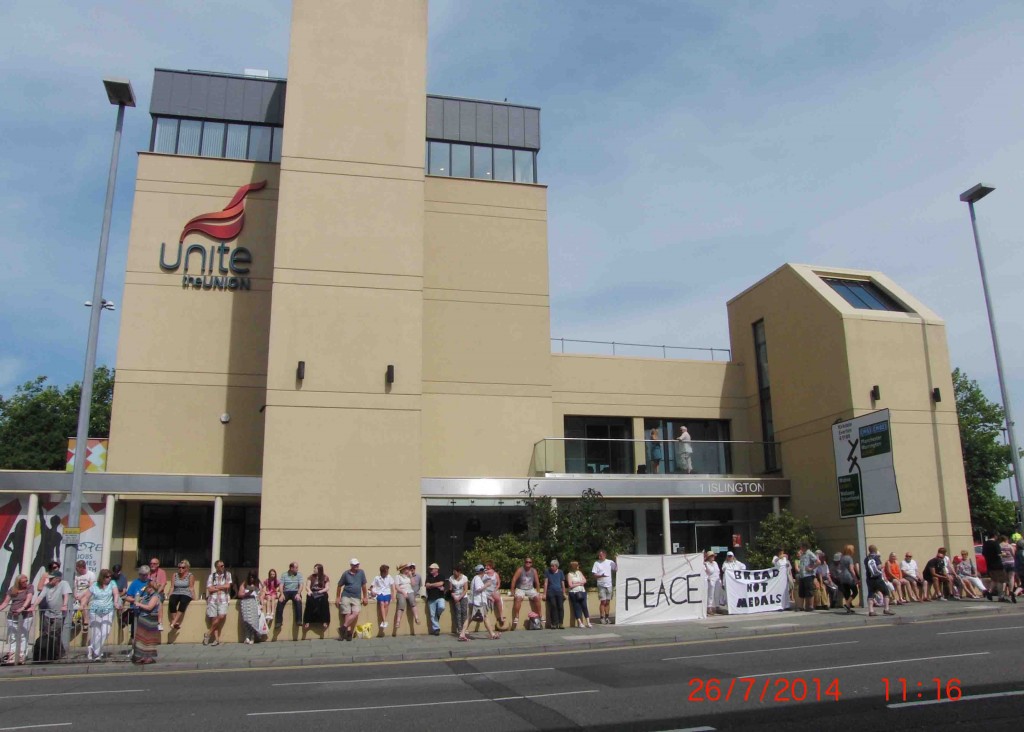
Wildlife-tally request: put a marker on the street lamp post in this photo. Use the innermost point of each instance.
(970, 196)
(119, 92)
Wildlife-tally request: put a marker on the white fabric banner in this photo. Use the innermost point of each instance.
(660, 589)
(756, 590)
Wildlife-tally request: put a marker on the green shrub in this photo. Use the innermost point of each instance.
(783, 530)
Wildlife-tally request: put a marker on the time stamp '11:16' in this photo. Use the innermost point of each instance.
(936, 689)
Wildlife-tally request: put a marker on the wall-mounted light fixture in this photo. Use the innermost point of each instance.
(225, 418)
(300, 372)
(936, 395)
(876, 393)
(389, 374)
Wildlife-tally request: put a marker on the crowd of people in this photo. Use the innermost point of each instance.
(96, 601)
(815, 583)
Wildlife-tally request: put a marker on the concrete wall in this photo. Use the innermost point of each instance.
(348, 282)
(824, 357)
(187, 356)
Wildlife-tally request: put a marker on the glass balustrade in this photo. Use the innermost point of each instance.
(583, 456)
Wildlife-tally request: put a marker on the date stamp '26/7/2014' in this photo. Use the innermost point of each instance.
(780, 690)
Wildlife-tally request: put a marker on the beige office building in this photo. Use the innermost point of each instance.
(336, 342)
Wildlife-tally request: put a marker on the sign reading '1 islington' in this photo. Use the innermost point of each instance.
(214, 267)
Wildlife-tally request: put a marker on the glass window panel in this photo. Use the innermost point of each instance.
(502, 164)
(275, 150)
(460, 161)
(439, 163)
(213, 140)
(238, 140)
(864, 295)
(524, 167)
(189, 131)
(166, 137)
(259, 142)
(482, 162)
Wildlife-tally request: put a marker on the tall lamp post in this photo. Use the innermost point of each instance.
(119, 92)
(970, 196)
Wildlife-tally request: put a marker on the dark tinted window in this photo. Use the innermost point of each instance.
(864, 295)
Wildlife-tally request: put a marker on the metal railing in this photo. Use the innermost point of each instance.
(617, 346)
(582, 455)
(35, 637)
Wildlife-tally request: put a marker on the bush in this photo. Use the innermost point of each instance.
(783, 530)
(507, 552)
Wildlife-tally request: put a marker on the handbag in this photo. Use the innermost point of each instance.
(262, 627)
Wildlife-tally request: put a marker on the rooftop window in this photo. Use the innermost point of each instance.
(864, 294)
(214, 139)
(485, 162)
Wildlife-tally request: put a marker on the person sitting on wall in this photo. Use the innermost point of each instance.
(967, 573)
(525, 582)
(910, 571)
(901, 585)
(936, 577)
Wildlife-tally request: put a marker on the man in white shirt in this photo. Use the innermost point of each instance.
(602, 572)
(909, 568)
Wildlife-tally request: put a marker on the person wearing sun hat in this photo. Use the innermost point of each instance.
(713, 575)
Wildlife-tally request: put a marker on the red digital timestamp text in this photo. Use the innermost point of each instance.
(764, 690)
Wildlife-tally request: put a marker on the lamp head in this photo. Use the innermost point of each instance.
(119, 91)
(976, 193)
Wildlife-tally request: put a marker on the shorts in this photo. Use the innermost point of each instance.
(383, 598)
(604, 593)
(806, 587)
(877, 584)
(849, 591)
(996, 574)
(350, 605)
(178, 603)
(526, 594)
(406, 602)
(216, 609)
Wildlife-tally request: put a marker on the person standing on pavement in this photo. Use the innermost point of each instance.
(554, 595)
(249, 607)
(415, 579)
(52, 603)
(990, 550)
(807, 562)
(494, 584)
(350, 598)
(18, 603)
(1006, 557)
(382, 589)
(158, 576)
(100, 601)
(458, 583)
(292, 584)
(849, 578)
(876, 582)
(602, 573)
(82, 581)
(577, 584)
(118, 578)
(713, 576)
(218, 587)
(435, 597)
(481, 592)
(130, 596)
(525, 584)
(147, 634)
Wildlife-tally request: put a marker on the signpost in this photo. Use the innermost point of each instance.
(865, 476)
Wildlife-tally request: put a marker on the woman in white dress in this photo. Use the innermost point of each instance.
(713, 574)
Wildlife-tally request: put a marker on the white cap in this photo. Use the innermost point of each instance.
(353, 560)
(729, 554)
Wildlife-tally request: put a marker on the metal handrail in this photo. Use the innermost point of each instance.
(664, 348)
(668, 439)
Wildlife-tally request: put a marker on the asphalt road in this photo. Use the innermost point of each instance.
(838, 674)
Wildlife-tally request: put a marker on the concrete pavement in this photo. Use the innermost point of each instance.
(422, 647)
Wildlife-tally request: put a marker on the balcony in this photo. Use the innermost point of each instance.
(554, 456)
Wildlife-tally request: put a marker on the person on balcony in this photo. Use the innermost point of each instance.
(684, 451)
(654, 445)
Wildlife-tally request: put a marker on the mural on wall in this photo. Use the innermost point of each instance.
(48, 523)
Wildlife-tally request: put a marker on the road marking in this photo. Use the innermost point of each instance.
(762, 650)
(35, 726)
(980, 630)
(861, 665)
(904, 705)
(422, 704)
(414, 678)
(73, 693)
(692, 729)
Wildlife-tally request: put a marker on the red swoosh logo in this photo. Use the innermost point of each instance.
(226, 224)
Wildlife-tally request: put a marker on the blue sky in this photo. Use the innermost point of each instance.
(690, 148)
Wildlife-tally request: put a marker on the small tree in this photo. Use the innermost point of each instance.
(783, 530)
(506, 551)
